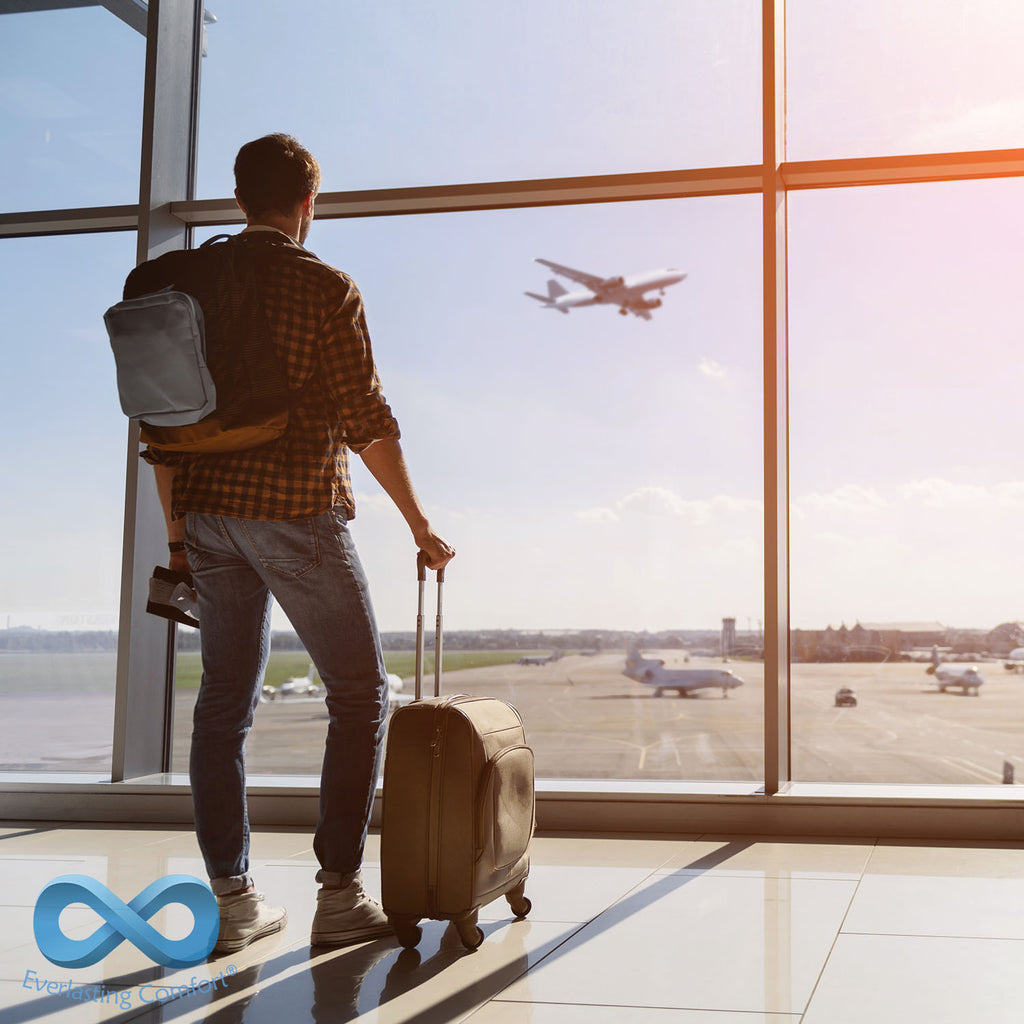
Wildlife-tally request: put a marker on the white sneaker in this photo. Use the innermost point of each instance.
(347, 915)
(244, 919)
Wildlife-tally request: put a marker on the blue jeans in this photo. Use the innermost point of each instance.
(311, 567)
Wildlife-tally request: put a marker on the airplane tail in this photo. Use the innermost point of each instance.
(555, 291)
(634, 658)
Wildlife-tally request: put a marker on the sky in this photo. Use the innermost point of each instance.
(591, 470)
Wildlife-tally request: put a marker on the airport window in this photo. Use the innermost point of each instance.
(455, 91)
(63, 499)
(876, 78)
(594, 470)
(906, 492)
(602, 472)
(70, 107)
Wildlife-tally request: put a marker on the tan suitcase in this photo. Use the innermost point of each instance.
(458, 810)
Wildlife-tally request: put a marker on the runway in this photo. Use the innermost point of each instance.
(585, 719)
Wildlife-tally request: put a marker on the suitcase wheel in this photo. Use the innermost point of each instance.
(407, 931)
(518, 902)
(520, 905)
(470, 933)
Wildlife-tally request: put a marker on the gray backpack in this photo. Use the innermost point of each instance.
(196, 363)
(159, 345)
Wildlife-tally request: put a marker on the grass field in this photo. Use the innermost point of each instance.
(285, 664)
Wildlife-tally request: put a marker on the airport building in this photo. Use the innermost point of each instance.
(701, 320)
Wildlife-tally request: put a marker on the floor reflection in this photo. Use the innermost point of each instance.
(645, 930)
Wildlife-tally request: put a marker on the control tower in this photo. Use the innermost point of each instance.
(728, 638)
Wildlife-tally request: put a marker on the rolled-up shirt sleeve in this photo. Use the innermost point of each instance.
(350, 376)
(159, 457)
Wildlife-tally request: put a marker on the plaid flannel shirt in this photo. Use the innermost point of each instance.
(316, 317)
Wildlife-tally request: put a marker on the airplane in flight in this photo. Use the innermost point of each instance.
(652, 672)
(628, 293)
(947, 677)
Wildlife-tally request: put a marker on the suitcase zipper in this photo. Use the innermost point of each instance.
(437, 746)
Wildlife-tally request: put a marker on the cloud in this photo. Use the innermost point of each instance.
(659, 501)
(848, 498)
(710, 368)
(726, 504)
(662, 503)
(1010, 491)
(938, 493)
(376, 505)
(931, 492)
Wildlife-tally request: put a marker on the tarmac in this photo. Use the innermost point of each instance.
(585, 719)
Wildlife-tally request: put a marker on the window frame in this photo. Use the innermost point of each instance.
(141, 787)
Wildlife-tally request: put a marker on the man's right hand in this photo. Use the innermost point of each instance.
(438, 551)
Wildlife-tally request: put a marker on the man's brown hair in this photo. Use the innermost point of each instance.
(274, 174)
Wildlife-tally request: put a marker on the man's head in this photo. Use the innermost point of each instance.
(274, 176)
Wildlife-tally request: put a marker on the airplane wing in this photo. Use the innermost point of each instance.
(590, 281)
(642, 313)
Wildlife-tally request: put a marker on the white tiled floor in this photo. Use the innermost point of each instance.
(699, 930)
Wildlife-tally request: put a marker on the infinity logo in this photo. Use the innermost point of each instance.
(126, 921)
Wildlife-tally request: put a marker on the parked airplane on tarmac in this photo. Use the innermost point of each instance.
(539, 659)
(304, 687)
(949, 678)
(652, 672)
(295, 686)
(1015, 660)
(396, 691)
(625, 292)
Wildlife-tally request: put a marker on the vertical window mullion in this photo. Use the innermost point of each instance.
(145, 657)
(776, 455)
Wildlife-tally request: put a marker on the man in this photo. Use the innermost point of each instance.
(272, 522)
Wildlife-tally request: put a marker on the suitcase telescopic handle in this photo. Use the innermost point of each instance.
(421, 567)
(421, 576)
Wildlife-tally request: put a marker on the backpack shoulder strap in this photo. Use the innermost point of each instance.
(216, 238)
